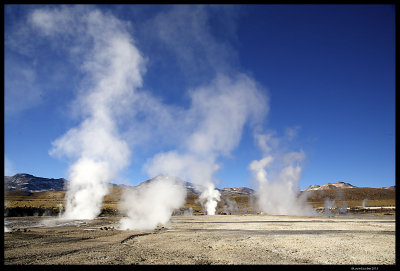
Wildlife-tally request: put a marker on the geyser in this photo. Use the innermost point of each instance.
(99, 146)
(151, 204)
(209, 198)
(214, 124)
(277, 176)
(112, 68)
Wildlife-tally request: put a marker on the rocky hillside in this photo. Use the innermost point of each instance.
(237, 191)
(329, 186)
(340, 185)
(28, 183)
(393, 187)
(26, 194)
(196, 189)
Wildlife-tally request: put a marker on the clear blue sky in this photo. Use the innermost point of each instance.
(327, 70)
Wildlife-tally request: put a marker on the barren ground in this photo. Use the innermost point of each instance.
(219, 239)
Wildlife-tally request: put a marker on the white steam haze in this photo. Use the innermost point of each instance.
(328, 205)
(277, 175)
(364, 202)
(152, 203)
(112, 68)
(212, 126)
(117, 114)
(230, 206)
(220, 111)
(209, 198)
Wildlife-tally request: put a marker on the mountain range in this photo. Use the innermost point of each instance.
(26, 194)
(342, 185)
(29, 183)
(329, 186)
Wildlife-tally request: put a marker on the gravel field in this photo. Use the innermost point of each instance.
(219, 239)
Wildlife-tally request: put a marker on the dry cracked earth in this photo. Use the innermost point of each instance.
(219, 239)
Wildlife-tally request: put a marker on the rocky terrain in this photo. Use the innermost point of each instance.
(29, 183)
(327, 186)
(203, 240)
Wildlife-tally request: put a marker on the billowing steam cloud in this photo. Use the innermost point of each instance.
(112, 67)
(277, 176)
(209, 198)
(198, 135)
(219, 112)
(151, 204)
(212, 125)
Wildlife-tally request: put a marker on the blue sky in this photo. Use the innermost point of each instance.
(327, 73)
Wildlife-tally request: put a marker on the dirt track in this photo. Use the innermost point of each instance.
(229, 239)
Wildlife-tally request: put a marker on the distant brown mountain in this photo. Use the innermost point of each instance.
(342, 185)
(237, 191)
(393, 187)
(196, 189)
(329, 186)
(29, 183)
(23, 182)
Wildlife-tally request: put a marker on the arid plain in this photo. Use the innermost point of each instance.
(204, 239)
(361, 233)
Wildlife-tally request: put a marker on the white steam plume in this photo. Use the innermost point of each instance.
(213, 124)
(209, 198)
(364, 203)
(231, 206)
(190, 167)
(112, 68)
(328, 206)
(216, 120)
(210, 128)
(277, 176)
(151, 204)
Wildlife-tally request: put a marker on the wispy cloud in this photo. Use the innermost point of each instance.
(291, 132)
(32, 72)
(9, 169)
(21, 90)
(188, 32)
